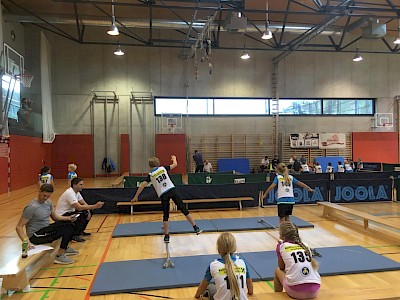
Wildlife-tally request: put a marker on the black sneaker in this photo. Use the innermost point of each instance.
(84, 233)
(78, 239)
(166, 238)
(197, 230)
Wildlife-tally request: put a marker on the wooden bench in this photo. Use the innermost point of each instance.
(17, 273)
(187, 202)
(120, 180)
(331, 211)
(236, 199)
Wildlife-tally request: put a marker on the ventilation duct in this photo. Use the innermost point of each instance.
(235, 22)
(374, 30)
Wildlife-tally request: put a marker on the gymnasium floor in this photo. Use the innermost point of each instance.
(74, 281)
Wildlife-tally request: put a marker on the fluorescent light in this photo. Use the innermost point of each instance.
(245, 55)
(118, 51)
(358, 56)
(397, 41)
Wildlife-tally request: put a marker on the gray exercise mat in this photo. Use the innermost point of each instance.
(253, 223)
(155, 228)
(142, 275)
(333, 261)
(212, 225)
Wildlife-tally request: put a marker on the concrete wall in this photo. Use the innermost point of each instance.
(77, 69)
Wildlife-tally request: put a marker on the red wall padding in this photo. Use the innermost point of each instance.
(125, 155)
(27, 156)
(172, 144)
(72, 148)
(3, 175)
(376, 147)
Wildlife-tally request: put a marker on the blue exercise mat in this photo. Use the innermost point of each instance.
(212, 225)
(141, 275)
(155, 228)
(253, 223)
(333, 261)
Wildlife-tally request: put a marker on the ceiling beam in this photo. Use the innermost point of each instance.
(316, 30)
(43, 20)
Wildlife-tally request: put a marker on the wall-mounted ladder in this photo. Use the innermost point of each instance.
(275, 108)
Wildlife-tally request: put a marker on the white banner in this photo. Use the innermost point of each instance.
(304, 140)
(332, 140)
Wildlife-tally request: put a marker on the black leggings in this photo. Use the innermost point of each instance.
(63, 230)
(171, 194)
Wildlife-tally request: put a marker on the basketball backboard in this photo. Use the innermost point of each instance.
(12, 62)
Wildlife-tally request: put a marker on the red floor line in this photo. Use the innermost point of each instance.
(102, 223)
(87, 296)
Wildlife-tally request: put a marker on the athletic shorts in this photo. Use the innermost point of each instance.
(302, 291)
(285, 209)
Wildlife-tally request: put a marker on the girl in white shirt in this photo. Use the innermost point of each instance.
(230, 273)
(297, 269)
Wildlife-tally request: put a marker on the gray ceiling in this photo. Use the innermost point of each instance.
(297, 25)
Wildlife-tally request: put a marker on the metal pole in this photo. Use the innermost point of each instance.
(105, 132)
(92, 131)
(130, 135)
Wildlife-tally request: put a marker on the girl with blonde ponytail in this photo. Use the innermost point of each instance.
(230, 274)
(297, 269)
(285, 196)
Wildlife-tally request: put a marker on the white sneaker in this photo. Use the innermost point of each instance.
(63, 260)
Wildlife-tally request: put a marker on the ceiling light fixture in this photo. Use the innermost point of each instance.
(113, 29)
(397, 41)
(118, 51)
(267, 33)
(358, 56)
(245, 54)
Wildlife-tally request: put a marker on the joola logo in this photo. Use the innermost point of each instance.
(360, 193)
(300, 195)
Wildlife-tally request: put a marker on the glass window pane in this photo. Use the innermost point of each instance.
(11, 88)
(170, 106)
(200, 107)
(241, 106)
(348, 106)
(300, 106)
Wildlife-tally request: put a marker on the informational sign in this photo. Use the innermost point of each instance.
(332, 140)
(304, 140)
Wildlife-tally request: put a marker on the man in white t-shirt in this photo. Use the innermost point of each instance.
(71, 202)
(207, 167)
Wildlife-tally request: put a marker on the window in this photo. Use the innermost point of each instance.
(348, 107)
(241, 106)
(300, 107)
(11, 91)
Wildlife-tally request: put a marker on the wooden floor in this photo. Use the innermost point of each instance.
(74, 281)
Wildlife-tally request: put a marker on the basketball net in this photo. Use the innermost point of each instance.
(26, 79)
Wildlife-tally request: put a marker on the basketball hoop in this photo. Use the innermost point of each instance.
(26, 79)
